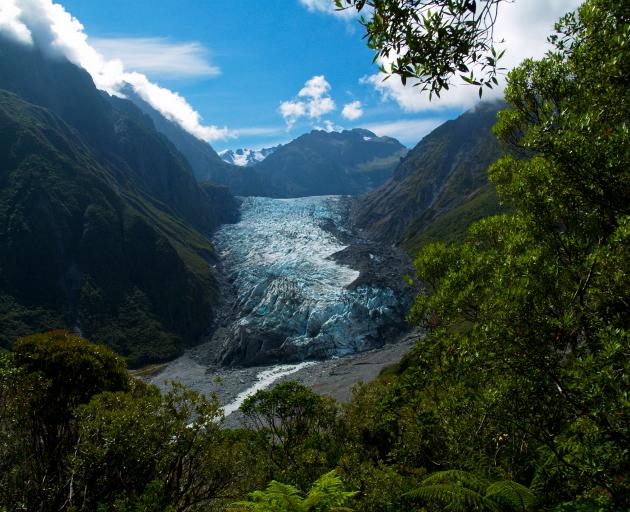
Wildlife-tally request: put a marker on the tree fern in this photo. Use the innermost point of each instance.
(464, 478)
(453, 496)
(457, 490)
(511, 495)
(326, 495)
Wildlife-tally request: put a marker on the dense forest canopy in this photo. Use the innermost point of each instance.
(517, 399)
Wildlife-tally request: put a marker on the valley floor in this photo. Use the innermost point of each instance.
(333, 377)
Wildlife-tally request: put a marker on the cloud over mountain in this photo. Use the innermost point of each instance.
(352, 110)
(55, 31)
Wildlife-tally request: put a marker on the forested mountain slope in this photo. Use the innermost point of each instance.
(204, 161)
(103, 226)
(440, 187)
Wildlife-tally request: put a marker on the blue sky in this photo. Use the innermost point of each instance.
(242, 65)
(265, 51)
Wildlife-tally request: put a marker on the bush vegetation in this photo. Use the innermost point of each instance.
(517, 399)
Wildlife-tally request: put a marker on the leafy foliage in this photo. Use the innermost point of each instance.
(41, 382)
(432, 41)
(77, 433)
(171, 447)
(459, 490)
(295, 429)
(326, 494)
(532, 308)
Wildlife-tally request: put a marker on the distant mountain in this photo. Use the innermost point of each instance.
(246, 157)
(440, 187)
(102, 224)
(322, 163)
(318, 163)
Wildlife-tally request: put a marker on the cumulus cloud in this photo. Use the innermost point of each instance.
(157, 56)
(352, 111)
(316, 87)
(522, 25)
(317, 107)
(316, 102)
(292, 111)
(54, 30)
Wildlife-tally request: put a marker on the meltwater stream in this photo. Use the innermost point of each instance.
(294, 301)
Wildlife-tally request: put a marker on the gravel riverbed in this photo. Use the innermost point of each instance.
(333, 377)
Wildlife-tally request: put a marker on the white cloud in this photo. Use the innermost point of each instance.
(524, 26)
(292, 111)
(317, 107)
(10, 23)
(408, 131)
(316, 103)
(174, 107)
(316, 87)
(352, 111)
(53, 29)
(158, 56)
(329, 126)
(259, 131)
(328, 7)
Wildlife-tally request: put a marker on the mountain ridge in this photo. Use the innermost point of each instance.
(103, 226)
(349, 162)
(443, 172)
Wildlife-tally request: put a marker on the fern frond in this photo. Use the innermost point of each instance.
(455, 497)
(464, 478)
(512, 495)
(276, 497)
(328, 493)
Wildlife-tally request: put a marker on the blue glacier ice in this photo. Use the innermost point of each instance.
(293, 300)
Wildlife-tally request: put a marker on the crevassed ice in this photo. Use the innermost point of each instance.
(278, 258)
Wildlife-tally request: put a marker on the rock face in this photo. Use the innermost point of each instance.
(295, 299)
(446, 171)
(103, 227)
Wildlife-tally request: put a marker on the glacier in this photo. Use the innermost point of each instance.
(293, 301)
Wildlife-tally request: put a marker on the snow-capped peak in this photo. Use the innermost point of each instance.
(246, 157)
